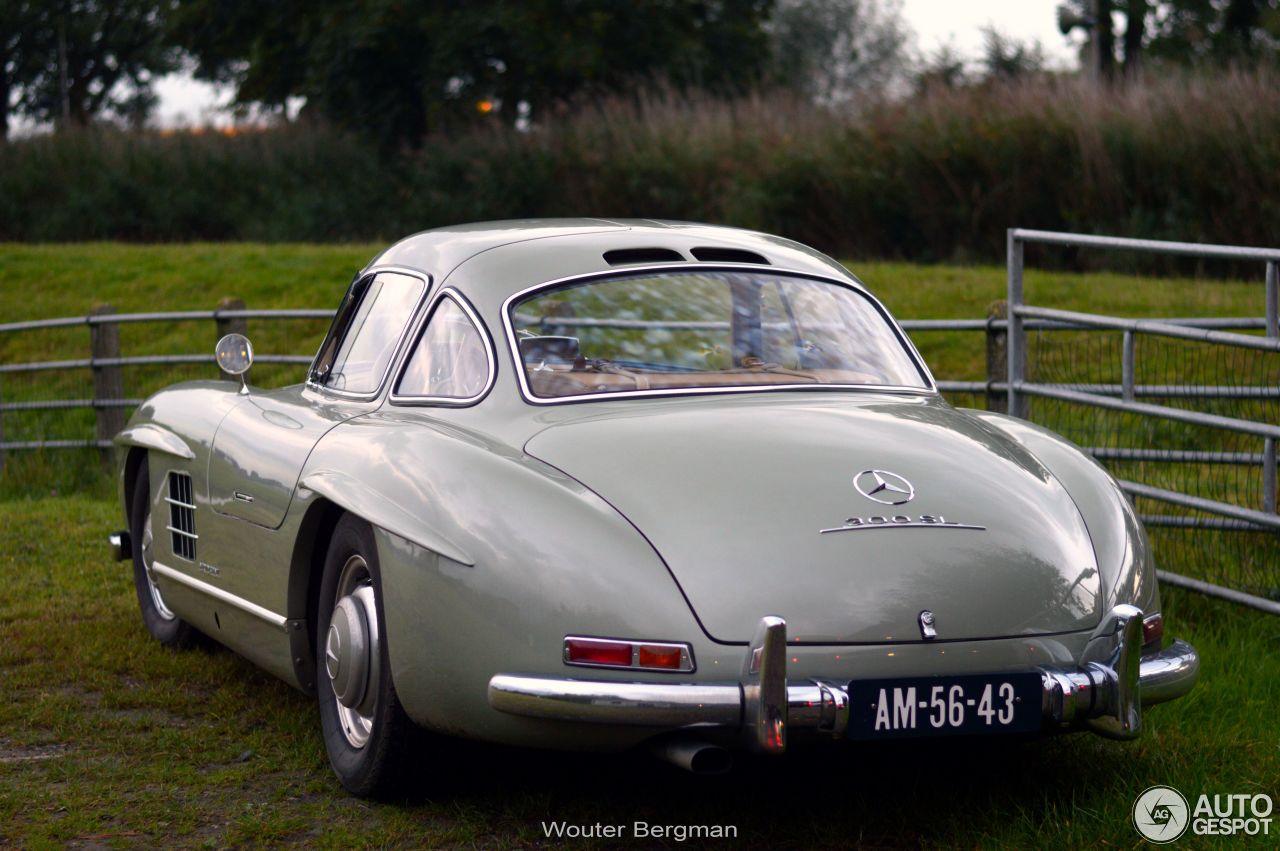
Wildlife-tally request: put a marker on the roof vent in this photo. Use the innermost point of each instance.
(622, 256)
(727, 255)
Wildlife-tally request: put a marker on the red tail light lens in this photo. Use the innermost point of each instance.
(594, 651)
(636, 655)
(665, 656)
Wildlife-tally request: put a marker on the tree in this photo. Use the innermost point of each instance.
(1006, 58)
(397, 70)
(17, 22)
(835, 50)
(945, 68)
(1182, 32)
(71, 61)
(1216, 31)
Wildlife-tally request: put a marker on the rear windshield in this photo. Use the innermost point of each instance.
(695, 330)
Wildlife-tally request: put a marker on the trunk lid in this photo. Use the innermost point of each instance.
(733, 492)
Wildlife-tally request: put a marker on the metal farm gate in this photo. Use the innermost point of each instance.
(1184, 412)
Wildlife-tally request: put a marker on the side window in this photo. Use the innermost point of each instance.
(450, 360)
(371, 333)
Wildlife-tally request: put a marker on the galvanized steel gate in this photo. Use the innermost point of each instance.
(1226, 515)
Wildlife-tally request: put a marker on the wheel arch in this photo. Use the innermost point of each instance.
(133, 461)
(306, 570)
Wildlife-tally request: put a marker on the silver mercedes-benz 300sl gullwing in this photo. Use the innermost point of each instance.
(590, 484)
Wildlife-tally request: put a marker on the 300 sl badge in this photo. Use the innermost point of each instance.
(900, 521)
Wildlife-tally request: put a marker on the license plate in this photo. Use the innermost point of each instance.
(944, 706)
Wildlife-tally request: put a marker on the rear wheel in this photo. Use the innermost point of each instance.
(166, 627)
(366, 732)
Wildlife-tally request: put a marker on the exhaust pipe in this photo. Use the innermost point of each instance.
(693, 755)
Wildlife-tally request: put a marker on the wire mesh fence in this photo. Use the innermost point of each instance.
(1209, 463)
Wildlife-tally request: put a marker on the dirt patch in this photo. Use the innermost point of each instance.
(10, 754)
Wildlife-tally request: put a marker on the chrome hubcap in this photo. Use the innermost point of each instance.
(351, 652)
(156, 599)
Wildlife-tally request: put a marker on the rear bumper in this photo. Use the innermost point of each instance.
(1105, 693)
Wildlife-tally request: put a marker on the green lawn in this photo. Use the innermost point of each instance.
(105, 737)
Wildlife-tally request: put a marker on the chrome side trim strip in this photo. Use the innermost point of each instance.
(278, 621)
(179, 503)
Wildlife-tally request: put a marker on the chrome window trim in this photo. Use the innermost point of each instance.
(420, 328)
(930, 388)
(400, 341)
(278, 621)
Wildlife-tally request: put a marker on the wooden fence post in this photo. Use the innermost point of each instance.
(108, 379)
(997, 356)
(231, 325)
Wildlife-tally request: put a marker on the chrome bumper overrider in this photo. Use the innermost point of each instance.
(1104, 694)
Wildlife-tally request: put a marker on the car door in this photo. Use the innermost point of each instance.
(262, 444)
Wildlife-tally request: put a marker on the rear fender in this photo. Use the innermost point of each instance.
(1119, 539)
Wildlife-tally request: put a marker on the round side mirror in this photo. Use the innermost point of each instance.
(234, 354)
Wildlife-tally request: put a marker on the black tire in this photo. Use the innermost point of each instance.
(164, 626)
(370, 743)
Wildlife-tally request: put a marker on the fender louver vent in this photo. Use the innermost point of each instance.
(182, 516)
(621, 256)
(727, 255)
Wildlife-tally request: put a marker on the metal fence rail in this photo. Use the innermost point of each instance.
(107, 366)
(1006, 387)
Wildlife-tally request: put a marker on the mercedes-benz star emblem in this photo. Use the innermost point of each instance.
(884, 487)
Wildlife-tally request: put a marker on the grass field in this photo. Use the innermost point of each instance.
(106, 739)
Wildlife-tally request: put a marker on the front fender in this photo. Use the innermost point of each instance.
(1119, 540)
(179, 422)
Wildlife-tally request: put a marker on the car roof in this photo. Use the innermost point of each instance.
(495, 259)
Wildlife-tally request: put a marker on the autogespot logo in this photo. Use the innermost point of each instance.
(1160, 814)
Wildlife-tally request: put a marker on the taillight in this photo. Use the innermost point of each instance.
(636, 655)
(589, 651)
(659, 656)
(1152, 632)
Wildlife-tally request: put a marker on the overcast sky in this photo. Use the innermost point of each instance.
(960, 22)
(935, 23)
